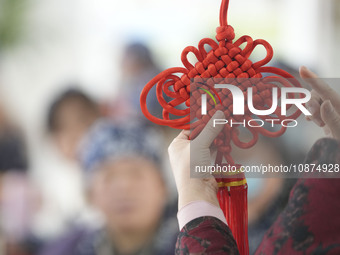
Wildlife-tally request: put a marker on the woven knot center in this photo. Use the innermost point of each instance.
(225, 33)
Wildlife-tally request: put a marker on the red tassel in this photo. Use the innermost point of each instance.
(233, 201)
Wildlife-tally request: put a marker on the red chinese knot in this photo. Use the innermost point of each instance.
(227, 60)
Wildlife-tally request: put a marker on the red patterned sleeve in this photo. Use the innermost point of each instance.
(206, 235)
(310, 223)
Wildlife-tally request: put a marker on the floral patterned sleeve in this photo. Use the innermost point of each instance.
(310, 223)
(206, 235)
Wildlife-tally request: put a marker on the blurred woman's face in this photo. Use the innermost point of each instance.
(130, 193)
(73, 120)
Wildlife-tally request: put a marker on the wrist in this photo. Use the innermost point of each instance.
(204, 192)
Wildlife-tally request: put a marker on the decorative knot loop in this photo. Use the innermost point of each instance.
(225, 33)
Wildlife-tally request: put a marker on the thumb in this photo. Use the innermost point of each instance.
(331, 118)
(209, 133)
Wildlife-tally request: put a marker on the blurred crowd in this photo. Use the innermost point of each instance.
(121, 164)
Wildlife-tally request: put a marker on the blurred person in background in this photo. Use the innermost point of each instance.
(19, 198)
(138, 67)
(124, 180)
(69, 118)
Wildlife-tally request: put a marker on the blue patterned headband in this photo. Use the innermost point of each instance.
(108, 140)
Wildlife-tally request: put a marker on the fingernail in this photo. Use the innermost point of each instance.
(303, 67)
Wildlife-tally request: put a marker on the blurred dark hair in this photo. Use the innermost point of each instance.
(67, 96)
(12, 152)
(140, 53)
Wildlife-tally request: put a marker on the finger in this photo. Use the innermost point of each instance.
(331, 118)
(183, 135)
(327, 131)
(314, 107)
(316, 96)
(209, 132)
(322, 88)
(305, 73)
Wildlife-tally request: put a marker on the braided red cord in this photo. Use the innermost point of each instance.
(225, 60)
